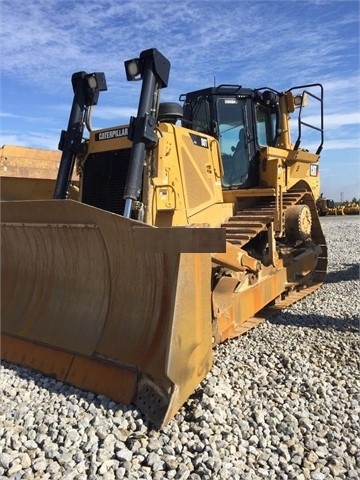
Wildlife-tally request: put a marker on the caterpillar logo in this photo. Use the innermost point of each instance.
(114, 133)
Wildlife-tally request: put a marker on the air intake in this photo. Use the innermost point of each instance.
(104, 179)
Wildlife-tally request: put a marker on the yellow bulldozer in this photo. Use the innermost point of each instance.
(30, 173)
(326, 206)
(351, 209)
(161, 238)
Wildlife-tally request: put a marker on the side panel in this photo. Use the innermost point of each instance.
(185, 177)
(198, 158)
(285, 168)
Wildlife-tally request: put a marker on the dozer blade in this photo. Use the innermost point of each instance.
(82, 303)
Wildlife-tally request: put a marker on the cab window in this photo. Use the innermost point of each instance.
(231, 122)
(198, 112)
(233, 141)
(265, 125)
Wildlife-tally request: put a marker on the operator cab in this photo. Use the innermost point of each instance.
(242, 120)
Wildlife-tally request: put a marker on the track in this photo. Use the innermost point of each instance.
(248, 223)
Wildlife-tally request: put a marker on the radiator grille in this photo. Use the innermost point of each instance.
(104, 179)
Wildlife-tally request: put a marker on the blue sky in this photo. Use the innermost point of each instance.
(278, 44)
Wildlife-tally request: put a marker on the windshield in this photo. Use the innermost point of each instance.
(232, 139)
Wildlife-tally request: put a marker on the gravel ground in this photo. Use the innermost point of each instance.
(281, 402)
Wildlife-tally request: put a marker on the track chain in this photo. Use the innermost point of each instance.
(248, 223)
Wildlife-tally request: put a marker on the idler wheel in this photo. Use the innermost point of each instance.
(298, 223)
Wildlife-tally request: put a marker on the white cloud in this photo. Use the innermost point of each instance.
(342, 144)
(8, 115)
(113, 113)
(30, 139)
(337, 120)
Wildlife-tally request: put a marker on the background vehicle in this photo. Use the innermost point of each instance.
(351, 209)
(326, 206)
(30, 173)
(182, 236)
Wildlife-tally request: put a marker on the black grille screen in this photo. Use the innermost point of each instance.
(104, 180)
